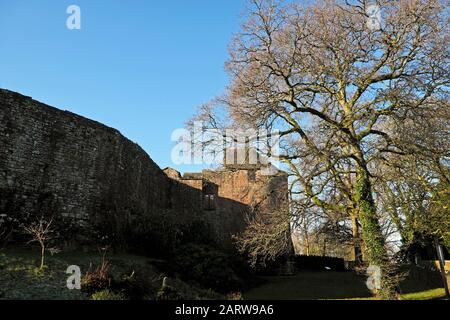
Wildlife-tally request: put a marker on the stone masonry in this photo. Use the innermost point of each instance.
(59, 162)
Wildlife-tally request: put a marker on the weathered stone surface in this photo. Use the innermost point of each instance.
(234, 191)
(56, 162)
(88, 171)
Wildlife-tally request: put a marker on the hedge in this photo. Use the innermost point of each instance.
(303, 262)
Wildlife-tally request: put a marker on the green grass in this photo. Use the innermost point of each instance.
(432, 294)
(438, 293)
(21, 279)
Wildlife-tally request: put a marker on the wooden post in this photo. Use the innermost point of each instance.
(441, 259)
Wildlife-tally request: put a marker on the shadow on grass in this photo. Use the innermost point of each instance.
(420, 279)
(420, 284)
(311, 285)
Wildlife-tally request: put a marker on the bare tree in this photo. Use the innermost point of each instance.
(267, 236)
(306, 219)
(41, 231)
(331, 83)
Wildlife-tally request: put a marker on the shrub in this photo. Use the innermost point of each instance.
(177, 289)
(133, 286)
(107, 295)
(134, 280)
(169, 233)
(209, 267)
(303, 262)
(235, 296)
(168, 293)
(148, 230)
(97, 280)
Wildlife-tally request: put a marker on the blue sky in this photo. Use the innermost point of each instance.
(139, 66)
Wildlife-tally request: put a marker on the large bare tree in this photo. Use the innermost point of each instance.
(332, 81)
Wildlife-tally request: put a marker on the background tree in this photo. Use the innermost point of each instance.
(413, 189)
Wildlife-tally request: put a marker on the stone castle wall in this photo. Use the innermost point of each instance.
(236, 191)
(56, 162)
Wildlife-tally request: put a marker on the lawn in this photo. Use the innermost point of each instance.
(21, 279)
(308, 285)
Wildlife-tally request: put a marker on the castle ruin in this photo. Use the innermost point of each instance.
(57, 162)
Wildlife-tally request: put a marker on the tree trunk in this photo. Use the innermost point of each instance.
(372, 233)
(307, 247)
(306, 242)
(356, 240)
(42, 256)
(441, 260)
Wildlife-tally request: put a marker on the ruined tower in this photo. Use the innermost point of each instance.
(230, 193)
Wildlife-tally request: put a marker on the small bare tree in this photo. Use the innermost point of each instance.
(41, 231)
(267, 236)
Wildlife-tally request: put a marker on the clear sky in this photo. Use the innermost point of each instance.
(139, 66)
